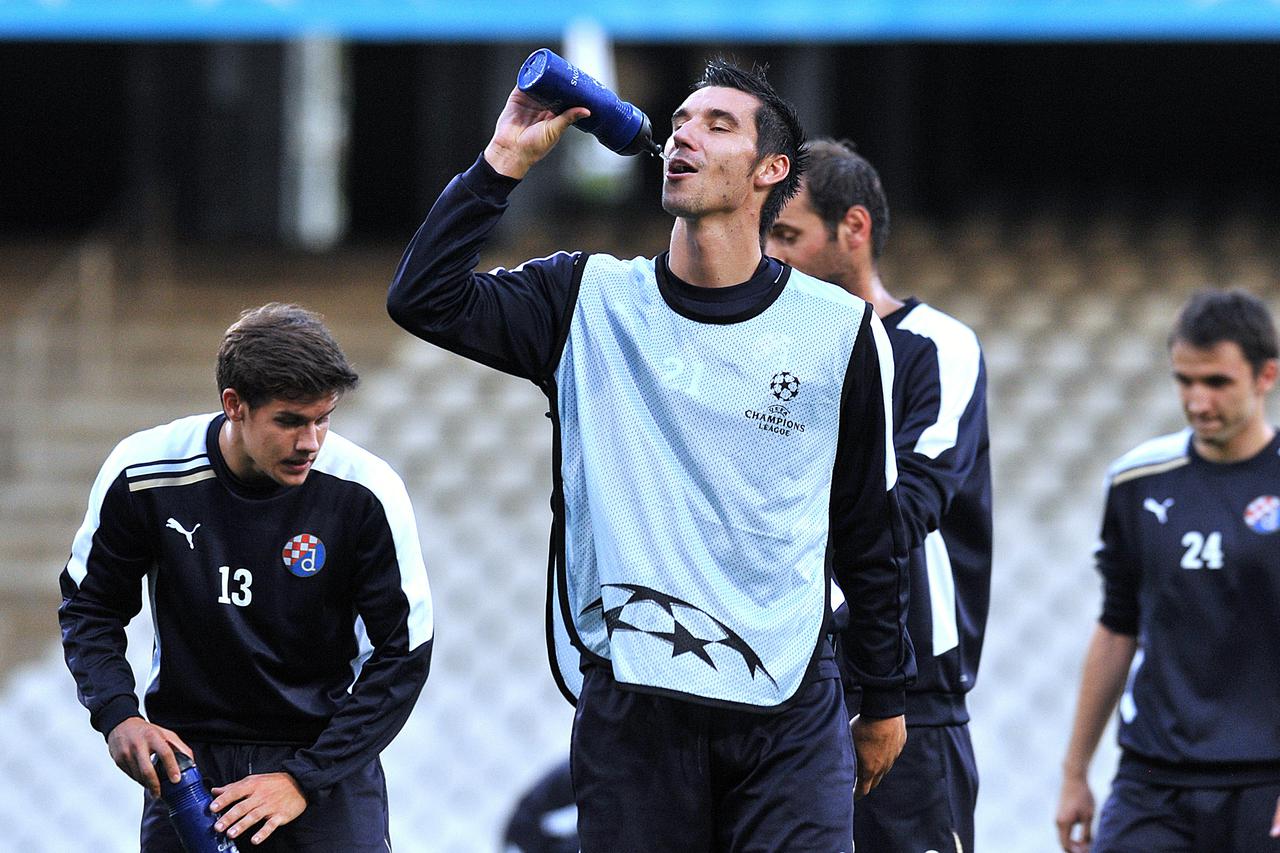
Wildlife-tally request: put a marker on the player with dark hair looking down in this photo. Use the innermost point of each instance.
(293, 621)
(1186, 646)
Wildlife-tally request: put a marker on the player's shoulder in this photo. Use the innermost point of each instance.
(1151, 457)
(600, 262)
(561, 260)
(177, 441)
(161, 455)
(816, 288)
(922, 320)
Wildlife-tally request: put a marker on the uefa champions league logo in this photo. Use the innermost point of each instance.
(776, 417)
(785, 386)
(304, 555)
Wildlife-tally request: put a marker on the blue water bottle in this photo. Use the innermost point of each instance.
(188, 801)
(558, 85)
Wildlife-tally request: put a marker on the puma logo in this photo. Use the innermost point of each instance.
(173, 524)
(1159, 510)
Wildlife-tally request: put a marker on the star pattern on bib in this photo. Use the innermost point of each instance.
(682, 639)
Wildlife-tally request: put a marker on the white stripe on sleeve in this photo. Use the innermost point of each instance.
(958, 358)
(885, 352)
(942, 593)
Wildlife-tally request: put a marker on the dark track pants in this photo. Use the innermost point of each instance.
(1140, 818)
(654, 774)
(926, 801)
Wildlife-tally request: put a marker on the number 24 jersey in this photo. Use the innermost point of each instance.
(1190, 561)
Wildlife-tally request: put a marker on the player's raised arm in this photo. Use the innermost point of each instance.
(525, 133)
(512, 320)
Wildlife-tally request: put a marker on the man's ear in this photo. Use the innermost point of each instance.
(772, 170)
(855, 228)
(1267, 374)
(233, 405)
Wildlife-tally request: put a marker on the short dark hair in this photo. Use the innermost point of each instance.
(1213, 316)
(778, 129)
(279, 351)
(839, 178)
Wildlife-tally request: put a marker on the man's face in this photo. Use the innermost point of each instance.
(279, 439)
(1221, 396)
(800, 238)
(711, 154)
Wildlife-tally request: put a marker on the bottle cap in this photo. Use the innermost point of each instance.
(184, 761)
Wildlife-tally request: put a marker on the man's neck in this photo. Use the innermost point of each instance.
(233, 451)
(867, 285)
(714, 254)
(1249, 443)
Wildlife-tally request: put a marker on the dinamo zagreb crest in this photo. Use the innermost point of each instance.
(304, 555)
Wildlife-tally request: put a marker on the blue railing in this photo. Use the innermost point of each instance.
(646, 20)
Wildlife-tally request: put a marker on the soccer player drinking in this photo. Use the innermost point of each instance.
(721, 449)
